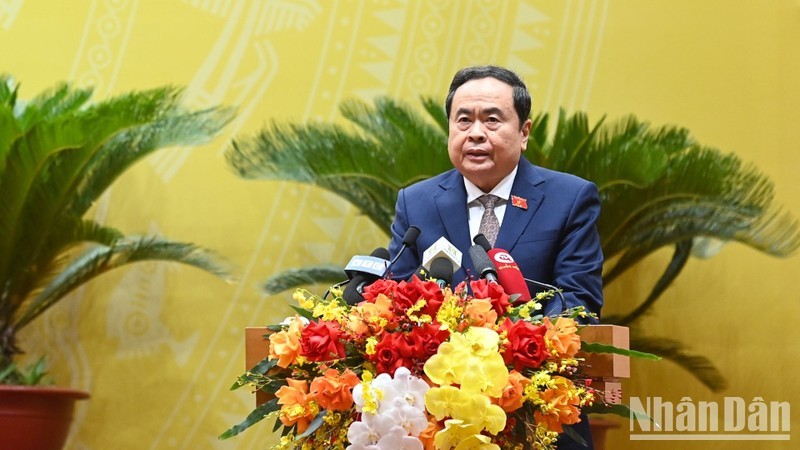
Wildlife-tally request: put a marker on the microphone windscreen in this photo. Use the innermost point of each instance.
(381, 252)
(442, 269)
(481, 240)
(509, 275)
(410, 238)
(482, 263)
(442, 248)
(364, 271)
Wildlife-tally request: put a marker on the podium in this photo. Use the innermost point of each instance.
(605, 369)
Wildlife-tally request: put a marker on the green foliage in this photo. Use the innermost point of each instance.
(658, 187)
(32, 375)
(261, 412)
(58, 153)
(618, 410)
(321, 274)
(389, 147)
(594, 347)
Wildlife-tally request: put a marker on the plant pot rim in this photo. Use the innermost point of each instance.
(46, 390)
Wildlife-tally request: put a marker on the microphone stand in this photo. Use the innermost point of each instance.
(551, 287)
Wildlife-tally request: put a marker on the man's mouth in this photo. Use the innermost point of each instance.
(477, 154)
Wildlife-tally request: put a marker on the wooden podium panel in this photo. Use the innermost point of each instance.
(256, 348)
(606, 369)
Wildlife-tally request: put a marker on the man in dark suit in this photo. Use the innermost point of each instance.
(546, 219)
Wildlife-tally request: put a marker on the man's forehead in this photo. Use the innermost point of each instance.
(486, 90)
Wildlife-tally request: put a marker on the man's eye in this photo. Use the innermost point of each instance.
(493, 119)
(462, 120)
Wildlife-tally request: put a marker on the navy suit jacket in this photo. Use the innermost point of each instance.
(554, 240)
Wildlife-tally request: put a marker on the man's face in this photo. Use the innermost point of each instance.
(485, 141)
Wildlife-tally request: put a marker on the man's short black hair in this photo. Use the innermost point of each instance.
(522, 98)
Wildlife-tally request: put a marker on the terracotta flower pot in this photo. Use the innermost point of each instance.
(36, 418)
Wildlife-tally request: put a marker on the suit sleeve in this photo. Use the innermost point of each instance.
(579, 262)
(408, 262)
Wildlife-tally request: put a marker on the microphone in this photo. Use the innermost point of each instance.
(363, 271)
(483, 265)
(444, 249)
(509, 274)
(481, 240)
(409, 239)
(442, 271)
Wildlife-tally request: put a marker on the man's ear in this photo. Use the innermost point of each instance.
(525, 132)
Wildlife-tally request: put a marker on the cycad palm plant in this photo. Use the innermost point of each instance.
(658, 189)
(58, 153)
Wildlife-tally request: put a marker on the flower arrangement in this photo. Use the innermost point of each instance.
(418, 366)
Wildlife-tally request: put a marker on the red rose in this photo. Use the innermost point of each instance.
(321, 341)
(430, 336)
(431, 292)
(526, 347)
(405, 296)
(385, 287)
(387, 357)
(409, 350)
(482, 289)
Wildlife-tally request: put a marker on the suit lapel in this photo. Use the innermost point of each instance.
(516, 219)
(451, 202)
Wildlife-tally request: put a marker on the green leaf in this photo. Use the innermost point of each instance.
(102, 259)
(594, 347)
(673, 350)
(313, 426)
(326, 274)
(303, 312)
(262, 411)
(59, 152)
(264, 366)
(616, 409)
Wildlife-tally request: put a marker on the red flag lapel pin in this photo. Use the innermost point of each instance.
(519, 202)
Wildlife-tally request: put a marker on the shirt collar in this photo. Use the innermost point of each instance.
(502, 190)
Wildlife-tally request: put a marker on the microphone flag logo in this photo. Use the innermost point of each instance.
(503, 257)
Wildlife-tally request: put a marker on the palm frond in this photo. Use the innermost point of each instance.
(179, 128)
(324, 274)
(101, 259)
(59, 153)
(392, 148)
(436, 112)
(58, 252)
(699, 366)
(703, 193)
(680, 257)
(50, 104)
(45, 163)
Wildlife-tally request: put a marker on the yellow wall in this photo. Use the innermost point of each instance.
(158, 346)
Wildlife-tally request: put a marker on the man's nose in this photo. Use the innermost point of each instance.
(476, 131)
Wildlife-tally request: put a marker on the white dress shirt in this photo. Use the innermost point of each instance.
(502, 190)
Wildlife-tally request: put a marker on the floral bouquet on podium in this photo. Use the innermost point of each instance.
(417, 366)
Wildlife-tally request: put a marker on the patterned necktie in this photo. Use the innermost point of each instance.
(490, 226)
